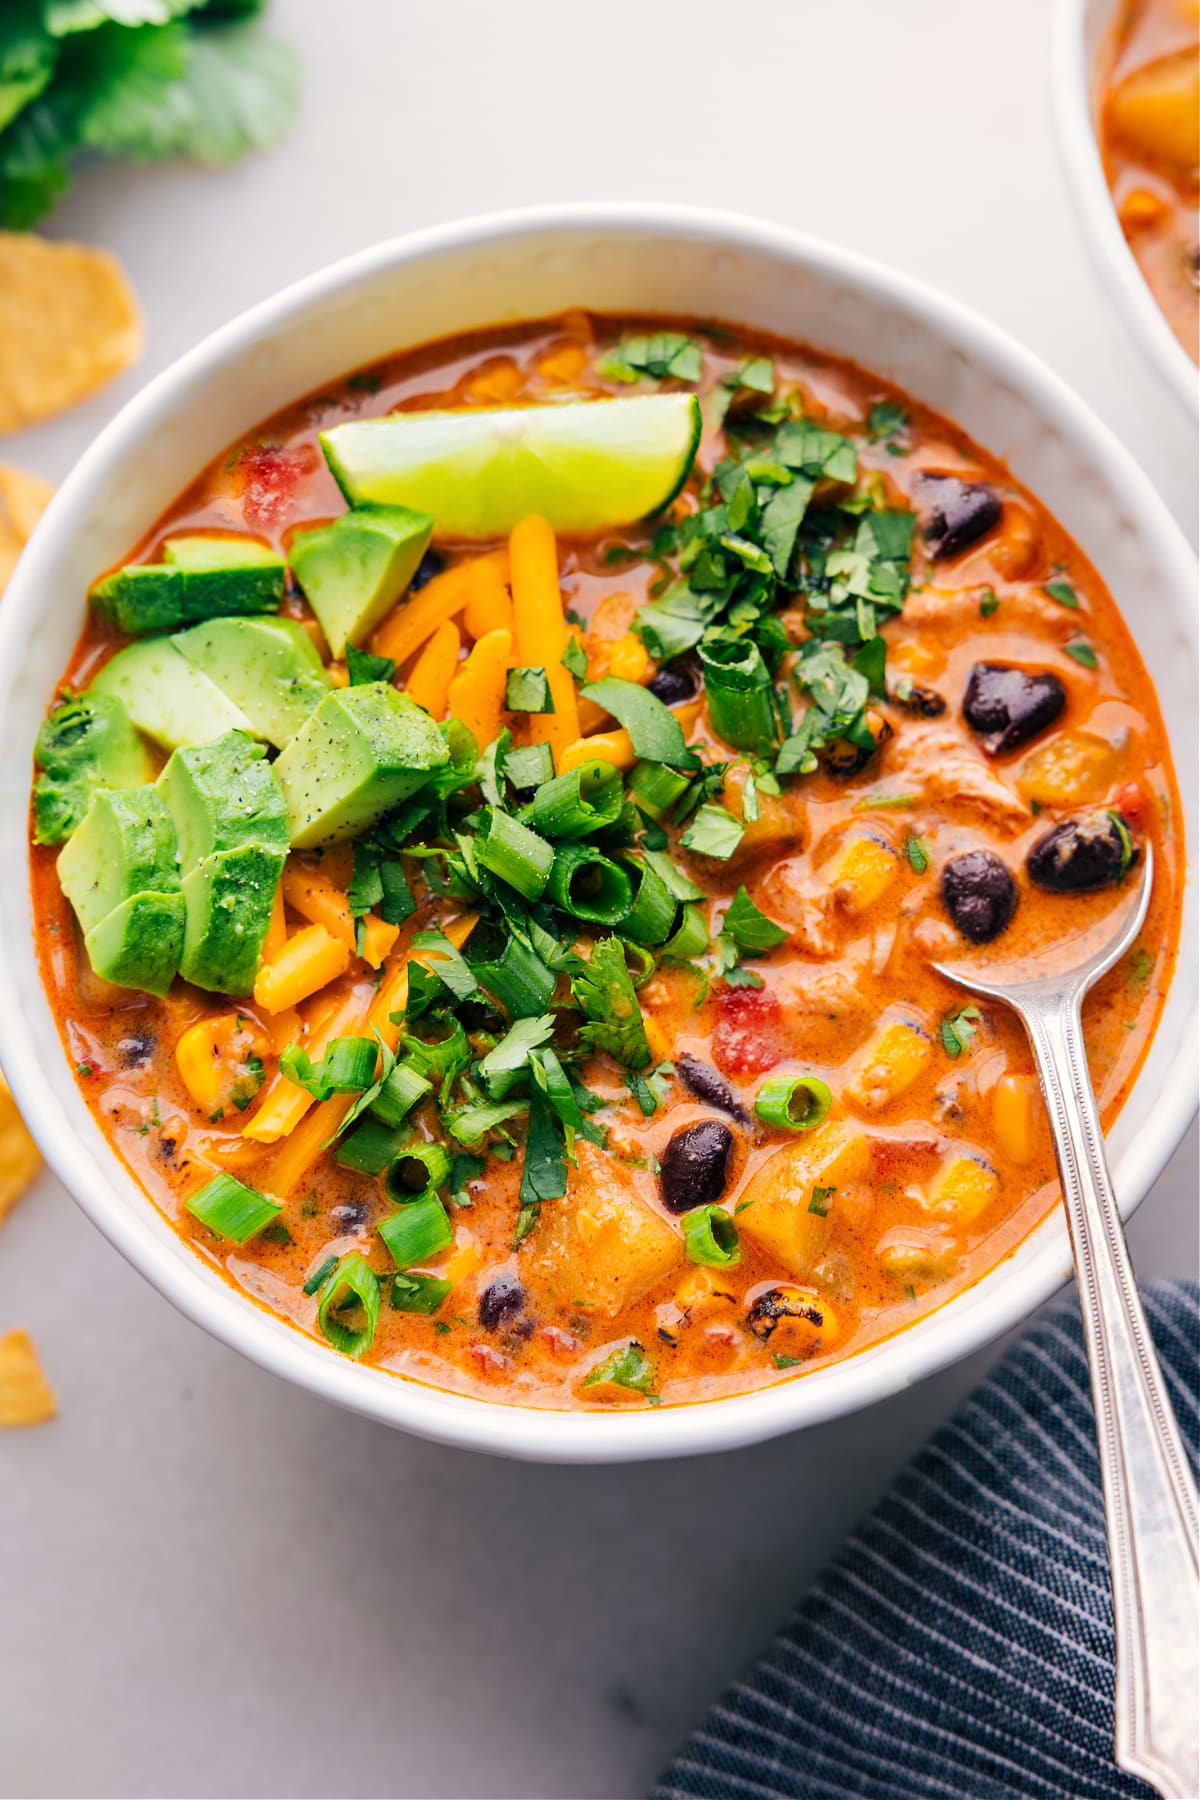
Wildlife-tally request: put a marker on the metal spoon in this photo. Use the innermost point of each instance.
(1149, 1493)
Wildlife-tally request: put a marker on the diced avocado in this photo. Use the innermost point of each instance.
(138, 944)
(223, 795)
(124, 846)
(229, 896)
(268, 667)
(167, 697)
(86, 744)
(356, 569)
(362, 751)
(201, 577)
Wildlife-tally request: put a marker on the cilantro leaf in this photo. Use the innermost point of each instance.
(505, 1065)
(713, 832)
(662, 355)
(957, 1030)
(656, 732)
(606, 995)
(544, 1170)
(527, 690)
(362, 667)
(574, 659)
(749, 928)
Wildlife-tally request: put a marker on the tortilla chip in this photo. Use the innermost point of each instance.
(19, 1159)
(69, 322)
(23, 500)
(26, 1397)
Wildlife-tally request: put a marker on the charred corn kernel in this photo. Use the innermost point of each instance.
(413, 621)
(1015, 1116)
(614, 747)
(313, 895)
(429, 682)
(565, 363)
(463, 1260)
(477, 691)
(794, 1321)
(220, 1061)
(891, 1062)
(276, 936)
(629, 659)
(911, 1253)
(308, 961)
(489, 604)
(502, 381)
(963, 1189)
(378, 940)
(1140, 208)
(1072, 769)
(861, 872)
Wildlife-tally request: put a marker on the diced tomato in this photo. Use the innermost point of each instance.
(747, 1036)
(1131, 804)
(271, 478)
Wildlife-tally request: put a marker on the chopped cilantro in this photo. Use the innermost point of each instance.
(749, 928)
(1062, 591)
(606, 995)
(1083, 653)
(957, 1030)
(713, 832)
(662, 355)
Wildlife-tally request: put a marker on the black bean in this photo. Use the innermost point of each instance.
(135, 1052)
(980, 895)
(500, 1300)
(922, 702)
(431, 564)
(701, 1079)
(695, 1166)
(673, 686)
(779, 1304)
(1009, 706)
(351, 1215)
(1092, 851)
(956, 513)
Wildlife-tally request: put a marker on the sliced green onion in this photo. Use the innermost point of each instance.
(507, 1063)
(741, 705)
(418, 1293)
(628, 1366)
(583, 800)
(439, 1059)
(656, 788)
(518, 980)
(655, 909)
(416, 1172)
(231, 1209)
(711, 1237)
(417, 1232)
(590, 886)
(404, 1087)
(320, 1275)
(349, 1065)
(370, 1147)
(529, 767)
(793, 1102)
(678, 882)
(349, 1308)
(692, 937)
(514, 853)
(639, 962)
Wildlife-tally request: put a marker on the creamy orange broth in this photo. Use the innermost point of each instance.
(1150, 139)
(880, 1259)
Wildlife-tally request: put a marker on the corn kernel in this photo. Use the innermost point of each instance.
(1015, 1116)
(565, 363)
(794, 1321)
(1072, 769)
(629, 659)
(213, 1058)
(861, 872)
(963, 1189)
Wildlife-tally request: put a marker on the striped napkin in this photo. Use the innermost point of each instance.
(960, 1647)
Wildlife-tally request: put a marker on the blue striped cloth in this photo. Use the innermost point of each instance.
(960, 1647)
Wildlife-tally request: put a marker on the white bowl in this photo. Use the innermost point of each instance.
(613, 258)
(1081, 30)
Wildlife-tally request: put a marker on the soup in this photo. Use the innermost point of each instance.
(492, 919)
(1150, 140)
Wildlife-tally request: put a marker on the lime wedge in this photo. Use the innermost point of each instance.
(586, 466)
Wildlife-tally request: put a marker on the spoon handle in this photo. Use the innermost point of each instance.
(1149, 1493)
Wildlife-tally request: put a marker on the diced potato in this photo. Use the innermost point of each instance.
(782, 818)
(913, 1253)
(602, 1247)
(1155, 110)
(1072, 769)
(777, 1207)
(891, 1062)
(962, 1189)
(861, 872)
(1015, 1112)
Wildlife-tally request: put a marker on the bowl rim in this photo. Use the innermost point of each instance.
(1114, 261)
(97, 1181)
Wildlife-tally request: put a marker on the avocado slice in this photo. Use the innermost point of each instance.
(120, 871)
(229, 896)
(222, 795)
(231, 827)
(200, 577)
(167, 697)
(355, 570)
(267, 667)
(86, 744)
(363, 750)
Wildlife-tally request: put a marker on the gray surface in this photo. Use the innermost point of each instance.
(213, 1585)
